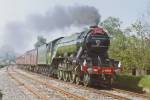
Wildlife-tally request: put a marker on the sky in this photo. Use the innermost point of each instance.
(18, 10)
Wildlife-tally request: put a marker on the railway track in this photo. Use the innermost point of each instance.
(104, 93)
(107, 92)
(43, 82)
(28, 87)
(132, 93)
(117, 95)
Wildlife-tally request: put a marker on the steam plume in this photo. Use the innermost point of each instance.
(21, 34)
(62, 17)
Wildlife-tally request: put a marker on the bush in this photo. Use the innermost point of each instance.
(145, 82)
(133, 83)
(129, 82)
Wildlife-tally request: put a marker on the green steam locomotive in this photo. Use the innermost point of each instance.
(79, 58)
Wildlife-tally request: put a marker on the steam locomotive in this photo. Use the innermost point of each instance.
(79, 58)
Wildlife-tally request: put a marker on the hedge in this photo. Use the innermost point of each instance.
(133, 83)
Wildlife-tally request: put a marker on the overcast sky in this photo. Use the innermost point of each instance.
(17, 10)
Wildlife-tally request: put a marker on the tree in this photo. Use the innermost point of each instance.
(40, 41)
(142, 53)
(7, 55)
(112, 25)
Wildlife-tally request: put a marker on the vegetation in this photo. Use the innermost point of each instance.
(128, 82)
(145, 81)
(7, 55)
(134, 83)
(131, 46)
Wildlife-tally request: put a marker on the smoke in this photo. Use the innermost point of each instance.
(22, 34)
(5, 49)
(62, 17)
(17, 35)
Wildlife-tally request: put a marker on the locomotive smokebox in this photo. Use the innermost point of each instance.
(97, 40)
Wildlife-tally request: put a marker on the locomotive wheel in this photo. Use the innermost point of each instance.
(109, 83)
(69, 76)
(63, 75)
(72, 77)
(86, 80)
(77, 80)
(66, 76)
(60, 75)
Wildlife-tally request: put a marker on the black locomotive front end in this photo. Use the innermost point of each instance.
(97, 68)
